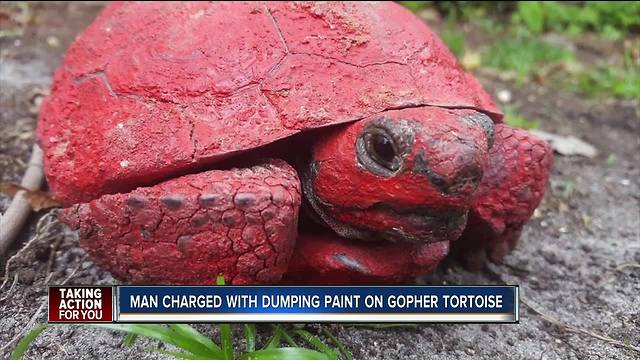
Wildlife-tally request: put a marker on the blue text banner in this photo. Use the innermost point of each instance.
(409, 304)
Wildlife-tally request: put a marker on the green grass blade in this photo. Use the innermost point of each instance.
(287, 337)
(225, 331)
(285, 353)
(163, 334)
(189, 332)
(227, 341)
(250, 336)
(130, 339)
(317, 343)
(150, 331)
(274, 341)
(343, 349)
(24, 343)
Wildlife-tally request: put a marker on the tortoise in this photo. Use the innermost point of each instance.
(267, 142)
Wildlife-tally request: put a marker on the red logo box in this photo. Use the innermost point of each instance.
(80, 304)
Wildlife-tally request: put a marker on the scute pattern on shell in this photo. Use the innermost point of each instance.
(151, 90)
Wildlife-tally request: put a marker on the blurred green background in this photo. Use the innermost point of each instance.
(590, 48)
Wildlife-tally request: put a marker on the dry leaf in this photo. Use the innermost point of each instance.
(37, 199)
(567, 145)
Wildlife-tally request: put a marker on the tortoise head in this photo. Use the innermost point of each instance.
(401, 175)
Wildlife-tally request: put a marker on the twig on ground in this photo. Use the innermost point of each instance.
(13, 284)
(26, 328)
(576, 329)
(70, 276)
(491, 269)
(53, 249)
(16, 215)
(35, 316)
(42, 233)
(628, 265)
(75, 270)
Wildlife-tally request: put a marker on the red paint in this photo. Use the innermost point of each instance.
(357, 197)
(239, 223)
(168, 88)
(328, 259)
(153, 91)
(516, 179)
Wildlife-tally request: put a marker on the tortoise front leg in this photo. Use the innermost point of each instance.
(511, 189)
(239, 223)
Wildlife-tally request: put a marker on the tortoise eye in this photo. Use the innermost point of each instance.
(377, 151)
(380, 147)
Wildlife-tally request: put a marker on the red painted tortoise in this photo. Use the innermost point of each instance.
(327, 143)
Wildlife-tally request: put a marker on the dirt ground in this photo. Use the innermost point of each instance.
(578, 260)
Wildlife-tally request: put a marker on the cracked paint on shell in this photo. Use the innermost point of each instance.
(196, 85)
(193, 86)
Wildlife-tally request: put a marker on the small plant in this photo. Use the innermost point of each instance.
(621, 82)
(415, 6)
(24, 343)
(532, 14)
(512, 118)
(193, 345)
(454, 40)
(468, 10)
(612, 19)
(524, 54)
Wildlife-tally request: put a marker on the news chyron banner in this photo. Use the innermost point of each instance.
(352, 304)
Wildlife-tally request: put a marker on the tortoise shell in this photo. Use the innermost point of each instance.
(154, 90)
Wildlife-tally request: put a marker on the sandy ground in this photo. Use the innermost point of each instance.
(577, 262)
